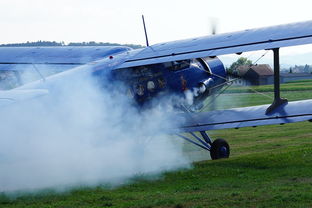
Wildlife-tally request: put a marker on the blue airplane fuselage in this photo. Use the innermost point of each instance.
(201, 77)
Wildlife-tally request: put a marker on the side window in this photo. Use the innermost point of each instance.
(177, 65)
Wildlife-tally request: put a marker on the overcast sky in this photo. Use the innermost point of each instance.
(119, 21)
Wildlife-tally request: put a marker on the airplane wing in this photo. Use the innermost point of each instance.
(228, 43)
(237, 42)
(295, 111)
(56, 58)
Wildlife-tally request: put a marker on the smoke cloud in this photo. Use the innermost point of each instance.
(82, 134)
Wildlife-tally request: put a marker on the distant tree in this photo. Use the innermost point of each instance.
(53, 43)
(92, 43)
(32, 44)
(306, 68)
(240, 62)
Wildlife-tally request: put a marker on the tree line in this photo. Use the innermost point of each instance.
(54, 43)
(232, 70)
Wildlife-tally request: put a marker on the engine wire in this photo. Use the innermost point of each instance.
(250, 88)
(231, 82)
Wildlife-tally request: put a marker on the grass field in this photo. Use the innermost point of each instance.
(270, 166)
(291, 86)
(236, 96)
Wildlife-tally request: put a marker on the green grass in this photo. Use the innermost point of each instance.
(300, 81)
(270, 166)
(291, 86)
(242, 96)
(232, 100)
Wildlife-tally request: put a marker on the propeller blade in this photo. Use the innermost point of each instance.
(213, 25)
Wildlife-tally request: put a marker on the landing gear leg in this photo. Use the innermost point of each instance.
(218, 148)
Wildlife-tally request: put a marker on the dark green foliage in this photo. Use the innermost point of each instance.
(92, 43)
(35, 44)
(53, 43)
(302, 85)
(241, 96)
(240, 62)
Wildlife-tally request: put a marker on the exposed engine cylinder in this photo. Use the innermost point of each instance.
(205, 85)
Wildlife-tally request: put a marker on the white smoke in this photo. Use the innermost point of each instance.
(81, 134)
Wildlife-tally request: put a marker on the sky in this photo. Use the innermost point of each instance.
(119, 21)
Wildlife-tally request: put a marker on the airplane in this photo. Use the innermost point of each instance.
(178, 68)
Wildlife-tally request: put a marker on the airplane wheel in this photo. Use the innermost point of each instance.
(219, 149)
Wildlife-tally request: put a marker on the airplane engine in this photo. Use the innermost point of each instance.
(213, 77)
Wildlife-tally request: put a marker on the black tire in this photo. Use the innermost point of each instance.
(219, 149)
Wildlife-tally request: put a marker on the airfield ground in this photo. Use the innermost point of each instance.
(270, 166)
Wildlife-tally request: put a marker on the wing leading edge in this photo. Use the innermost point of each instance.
(59, 58)
(236, 42)
(247, 116)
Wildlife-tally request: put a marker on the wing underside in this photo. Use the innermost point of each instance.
(247, 116)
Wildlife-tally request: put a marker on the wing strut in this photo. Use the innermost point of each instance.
(278, 101)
